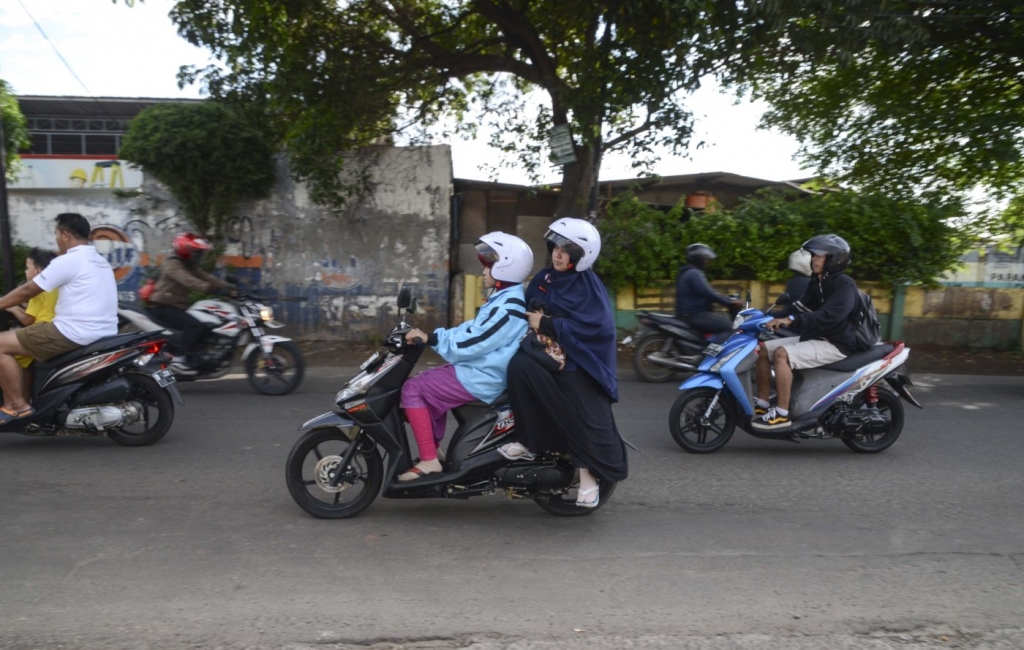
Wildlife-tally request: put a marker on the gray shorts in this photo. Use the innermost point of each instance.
(805, 354)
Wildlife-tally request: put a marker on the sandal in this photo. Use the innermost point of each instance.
(581, 497)
(7, 416)
(515, 451)
(418, 471)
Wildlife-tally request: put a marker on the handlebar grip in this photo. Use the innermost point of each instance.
(418, 342)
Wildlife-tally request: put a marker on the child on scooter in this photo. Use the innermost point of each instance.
(477, 351)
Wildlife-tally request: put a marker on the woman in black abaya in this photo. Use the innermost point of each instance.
(571, 411)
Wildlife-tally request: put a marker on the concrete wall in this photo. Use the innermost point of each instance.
(345, 269)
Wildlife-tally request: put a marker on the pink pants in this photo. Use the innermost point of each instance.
(438, 390)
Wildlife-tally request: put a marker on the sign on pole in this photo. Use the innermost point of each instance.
(560, 140)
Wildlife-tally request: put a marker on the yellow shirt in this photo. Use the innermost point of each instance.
(43, 307)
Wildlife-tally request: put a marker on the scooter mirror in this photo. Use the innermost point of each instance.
(412, 306)
(783, 299)
(404, 299)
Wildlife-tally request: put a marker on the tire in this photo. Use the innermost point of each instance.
(319, 448)
(689, 427)
(564, 505)
(645, 370)
(156, 413)
(286, 373)
(890, 404)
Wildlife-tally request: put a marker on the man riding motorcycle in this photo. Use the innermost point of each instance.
(169, 302)
(694, 296)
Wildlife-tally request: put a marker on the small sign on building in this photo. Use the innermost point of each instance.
(560, 140)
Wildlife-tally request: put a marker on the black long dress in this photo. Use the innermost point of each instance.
(571, 411)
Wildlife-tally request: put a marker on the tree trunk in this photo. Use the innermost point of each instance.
(578, 179)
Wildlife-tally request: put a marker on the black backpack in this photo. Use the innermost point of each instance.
(865, 319)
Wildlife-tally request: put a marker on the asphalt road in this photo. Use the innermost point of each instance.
(196, 543)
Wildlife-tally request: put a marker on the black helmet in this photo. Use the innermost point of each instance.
(833, 247)
(699, 254)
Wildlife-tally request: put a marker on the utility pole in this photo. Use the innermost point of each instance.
(5, 221)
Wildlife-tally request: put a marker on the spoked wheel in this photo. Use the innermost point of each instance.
(316, 459)
(698, 427)
(889, 406)
(652, 344)
(150, 412)
(278, 373)
(563, 503)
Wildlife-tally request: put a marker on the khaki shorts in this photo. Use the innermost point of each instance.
(805, 354)
(43, 341)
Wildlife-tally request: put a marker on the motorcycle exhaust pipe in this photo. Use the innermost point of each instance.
(671, 363)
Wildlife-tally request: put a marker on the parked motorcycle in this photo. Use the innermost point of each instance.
(336, 470)
(856, 400)
(274, 364)
(665, 346)
(117, 387)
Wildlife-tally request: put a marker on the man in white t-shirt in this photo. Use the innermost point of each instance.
(86, 310)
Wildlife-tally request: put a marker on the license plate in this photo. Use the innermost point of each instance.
(713, 350)
(164, 377)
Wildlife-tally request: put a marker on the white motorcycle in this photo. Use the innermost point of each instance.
(274, 364)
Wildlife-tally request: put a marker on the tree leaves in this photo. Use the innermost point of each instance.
(207, 155)
(15, 130)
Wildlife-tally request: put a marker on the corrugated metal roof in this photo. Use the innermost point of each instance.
(86, 107)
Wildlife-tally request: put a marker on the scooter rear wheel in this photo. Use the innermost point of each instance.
(313, 462)
(653, 343)
(694, 428)
(564, 505)
(889, 404)
(155, 413)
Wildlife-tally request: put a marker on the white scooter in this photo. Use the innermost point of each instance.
(274, 364)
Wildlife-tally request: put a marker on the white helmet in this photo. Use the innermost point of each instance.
(800, 262)
(578, 238)
(509, 258)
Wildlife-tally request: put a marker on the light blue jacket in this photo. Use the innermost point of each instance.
(481, 349)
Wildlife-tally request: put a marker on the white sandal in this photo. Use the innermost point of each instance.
(515, 451)
(581, 496)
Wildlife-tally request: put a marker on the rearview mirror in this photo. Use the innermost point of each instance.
(412, 306)
(783, 299)
(404, 298)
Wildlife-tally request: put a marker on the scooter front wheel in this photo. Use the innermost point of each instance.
(278, 373)
(698, 427)
(564, 504)
(315, 461)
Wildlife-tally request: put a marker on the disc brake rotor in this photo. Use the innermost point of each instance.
(325, 471)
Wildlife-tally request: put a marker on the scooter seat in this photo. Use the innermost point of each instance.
(666, 319)
(860, 359)
(105, 343)
(475, 408)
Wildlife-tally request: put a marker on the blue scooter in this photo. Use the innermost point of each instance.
(856, 400)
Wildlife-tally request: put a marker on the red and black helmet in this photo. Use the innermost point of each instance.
(189, 246)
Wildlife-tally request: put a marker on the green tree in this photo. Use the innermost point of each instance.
(334, 76)
(207, 155)
(893, 241)
(15, 129)
(918, 95)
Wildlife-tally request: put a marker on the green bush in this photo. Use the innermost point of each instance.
(894, 241)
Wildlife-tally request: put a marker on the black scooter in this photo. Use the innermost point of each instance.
(337, 466)
(117, 387)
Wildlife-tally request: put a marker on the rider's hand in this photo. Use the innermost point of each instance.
(534, 318)
(776, 323)
(416, 333)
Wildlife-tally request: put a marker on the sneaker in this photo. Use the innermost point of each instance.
(182, 368)
(515, 451)
(759, 411)
(771, 420)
